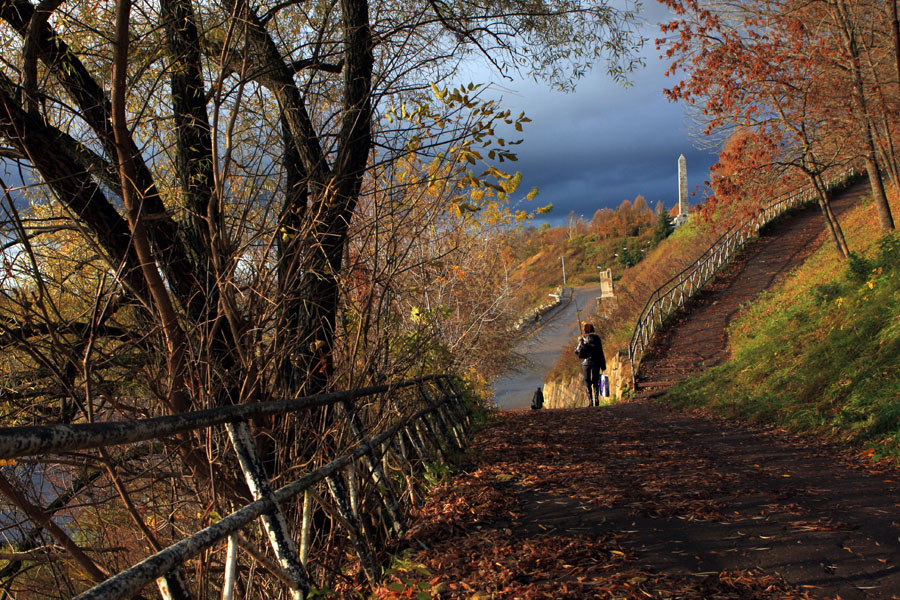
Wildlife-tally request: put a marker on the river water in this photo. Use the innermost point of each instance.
(541, 350)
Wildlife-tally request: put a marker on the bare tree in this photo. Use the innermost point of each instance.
(215, 217)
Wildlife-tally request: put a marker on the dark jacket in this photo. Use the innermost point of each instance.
(595, 357)
(537, 401)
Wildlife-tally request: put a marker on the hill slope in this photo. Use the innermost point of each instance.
(819, 352)
(698, 339)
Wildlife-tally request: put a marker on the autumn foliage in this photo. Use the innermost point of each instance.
(802, 90)
(527, 517)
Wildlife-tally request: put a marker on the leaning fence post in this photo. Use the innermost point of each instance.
(454, 426)
(400, 441)
(429, 433)
(173, 586)
(339, 494)
(386, 492)
(441, 437)
(352, 490)
(385, 465)
(230, 568)
(306, 527)
(274, 522)
(439, 418)
(406, 468)
(416, 441)
(454, 403)
(459, 405)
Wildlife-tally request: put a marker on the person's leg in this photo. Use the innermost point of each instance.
(586, 374)
(595, 384)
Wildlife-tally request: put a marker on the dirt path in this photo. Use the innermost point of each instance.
(637, 501)
(698, 339)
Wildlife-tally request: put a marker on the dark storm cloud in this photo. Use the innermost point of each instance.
(605, 143)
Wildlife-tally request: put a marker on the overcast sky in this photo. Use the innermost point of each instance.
(605, 143)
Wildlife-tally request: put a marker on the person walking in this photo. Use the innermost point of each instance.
(590, 350)
(537, 401)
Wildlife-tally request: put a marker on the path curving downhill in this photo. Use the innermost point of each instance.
(635, 500)
(541, 348)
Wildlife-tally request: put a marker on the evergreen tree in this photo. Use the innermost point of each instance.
(664, 226)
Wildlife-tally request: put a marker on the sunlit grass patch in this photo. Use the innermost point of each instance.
(820, 352)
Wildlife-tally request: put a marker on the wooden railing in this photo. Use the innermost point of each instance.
(439, 424)
(677, 291)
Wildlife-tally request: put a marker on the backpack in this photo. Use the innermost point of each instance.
(586, 346)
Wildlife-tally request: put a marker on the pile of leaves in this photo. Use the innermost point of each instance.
(499, 565)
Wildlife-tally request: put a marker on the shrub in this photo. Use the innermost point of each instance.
(826, 292)
(859, 267)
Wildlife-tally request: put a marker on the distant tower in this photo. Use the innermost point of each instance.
(682, 216)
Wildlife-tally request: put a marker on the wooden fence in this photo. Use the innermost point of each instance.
(439, 426)
(677, 291)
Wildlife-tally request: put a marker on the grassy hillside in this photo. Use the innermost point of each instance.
(613, 239)
(820, 352)
(540, 267)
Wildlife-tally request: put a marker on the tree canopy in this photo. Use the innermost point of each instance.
(234, 201)
(813, 84)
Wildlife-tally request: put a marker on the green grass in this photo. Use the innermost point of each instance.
(819, 354)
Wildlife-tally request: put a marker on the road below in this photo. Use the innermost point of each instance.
(540, 351)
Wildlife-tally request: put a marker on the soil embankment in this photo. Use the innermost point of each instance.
(698, 338)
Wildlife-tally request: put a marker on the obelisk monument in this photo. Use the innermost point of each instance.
(682, 216)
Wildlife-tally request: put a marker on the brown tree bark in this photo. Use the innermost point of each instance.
(193, 133)
(133, 198)
(94, 107)
(71, 183)
(831, 222)
(860, 111)
(895, 36)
